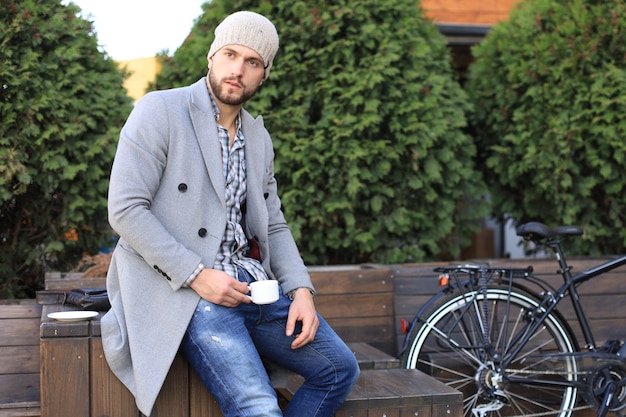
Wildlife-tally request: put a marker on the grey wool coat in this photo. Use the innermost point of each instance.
(167, 203)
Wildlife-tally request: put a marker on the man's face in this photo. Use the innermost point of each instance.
(235, 74)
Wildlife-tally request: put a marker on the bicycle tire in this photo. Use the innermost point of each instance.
(449, 345)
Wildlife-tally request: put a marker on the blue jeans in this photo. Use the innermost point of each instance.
(226, 347)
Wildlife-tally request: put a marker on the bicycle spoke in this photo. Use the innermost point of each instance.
(445, 339)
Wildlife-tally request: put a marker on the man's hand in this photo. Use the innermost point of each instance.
(220, 288)
(302, 309)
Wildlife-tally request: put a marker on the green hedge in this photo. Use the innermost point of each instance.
(549, 87)
(61, 107)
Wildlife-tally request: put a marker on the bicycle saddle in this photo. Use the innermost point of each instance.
(536, 230)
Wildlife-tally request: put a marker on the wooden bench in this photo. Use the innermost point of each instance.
(19, 358)
(364, 304)
(357, 302)
(76, 380)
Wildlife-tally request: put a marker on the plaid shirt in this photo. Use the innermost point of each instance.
(234, 242)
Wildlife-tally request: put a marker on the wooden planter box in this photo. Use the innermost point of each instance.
(357, 302)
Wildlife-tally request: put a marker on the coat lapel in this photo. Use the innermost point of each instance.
(205, 127)
(254, 158)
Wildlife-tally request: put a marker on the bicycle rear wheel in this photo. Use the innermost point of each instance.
(462, 339)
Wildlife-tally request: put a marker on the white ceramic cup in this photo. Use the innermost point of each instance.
(264, 292)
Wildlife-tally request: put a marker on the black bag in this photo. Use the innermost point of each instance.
(88, 298)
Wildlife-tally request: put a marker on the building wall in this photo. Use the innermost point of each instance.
(142, 72)
(469, 12)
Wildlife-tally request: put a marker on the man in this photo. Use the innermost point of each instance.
(194, 200)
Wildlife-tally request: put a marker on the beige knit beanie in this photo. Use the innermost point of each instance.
(247, 29)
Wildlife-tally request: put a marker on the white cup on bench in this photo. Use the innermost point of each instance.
(264, 292)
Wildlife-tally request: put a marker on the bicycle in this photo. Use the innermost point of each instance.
(505, 345)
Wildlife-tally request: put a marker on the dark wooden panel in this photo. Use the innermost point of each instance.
(19, 356)
(351, 305)
(19, 359)
(201, 402)
(18, 388)
(351, 280)
(447, 410)
(377, 331)
(596, 307)
(109, 397)
(19, 309)
(68, 281)
(64, 377)
(174, 396)
(418, 285)
(406, 306)
(19, 331)
(28, 409)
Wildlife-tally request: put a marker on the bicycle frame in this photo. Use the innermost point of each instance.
(571, 282)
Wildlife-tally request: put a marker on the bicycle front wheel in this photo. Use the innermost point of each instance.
(465, 339)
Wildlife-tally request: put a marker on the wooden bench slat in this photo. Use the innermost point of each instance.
(352, 281)
(22, 409)
(59, 281)
(19, 309)
(18, 388)
(357, 305)
(19, 359)
(19, 331)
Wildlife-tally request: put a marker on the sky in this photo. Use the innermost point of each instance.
(129, 29)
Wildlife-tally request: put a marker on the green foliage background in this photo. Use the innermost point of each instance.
(368, 120)
(375, 159)
(549, 87)
(61, 107)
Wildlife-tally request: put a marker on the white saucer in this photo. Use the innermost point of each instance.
(73, 315)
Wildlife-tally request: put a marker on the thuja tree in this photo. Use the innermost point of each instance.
(368, 121)
(61, 106)
(550, 92)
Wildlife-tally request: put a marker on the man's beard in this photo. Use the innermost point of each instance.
(218, 91)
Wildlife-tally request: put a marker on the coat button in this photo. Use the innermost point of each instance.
(202, 232)
(182, 187)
